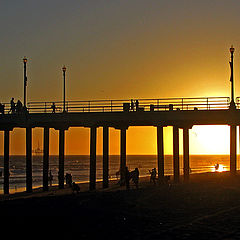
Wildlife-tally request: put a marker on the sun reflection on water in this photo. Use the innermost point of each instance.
(218, 168)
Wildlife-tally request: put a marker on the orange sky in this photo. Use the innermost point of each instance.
(118, 50)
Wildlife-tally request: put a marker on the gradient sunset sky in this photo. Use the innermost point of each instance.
(118, 50)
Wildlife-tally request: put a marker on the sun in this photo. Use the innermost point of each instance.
(210, 139)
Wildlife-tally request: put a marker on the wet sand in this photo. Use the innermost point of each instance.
(208, 207)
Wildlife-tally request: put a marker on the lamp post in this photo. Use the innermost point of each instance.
(64, 77)
(25, 80)
(232, 103)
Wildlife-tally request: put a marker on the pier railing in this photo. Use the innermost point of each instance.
(164, 104)
(129, 105)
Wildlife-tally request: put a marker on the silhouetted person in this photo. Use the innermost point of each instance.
(19, 106)
(153, 175)
(132, 105)
(137, 105)
(12, 106)
(75, 187)
(2, 108)
(50, 177)
(53, 107)
(135, 177)
(127, 177)
(68, 178)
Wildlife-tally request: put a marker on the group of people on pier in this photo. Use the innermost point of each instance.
(14, 107)
(134, 105)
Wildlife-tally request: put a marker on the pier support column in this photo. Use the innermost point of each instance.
(233, 149)
(123, 156)
(45, 158)
(93, 143)
(105, 156)
(29, 159)
(6, 162)
(186, 154)
(176, 170)
(61, 158)
(160, 152)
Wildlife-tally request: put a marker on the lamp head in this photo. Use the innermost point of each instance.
(232, 49)
(64, 68)
(24, 59)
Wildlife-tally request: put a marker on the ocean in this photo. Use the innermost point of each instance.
(78, 166)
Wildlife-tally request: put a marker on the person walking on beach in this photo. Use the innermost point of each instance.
(68, 178)
(50, 177)
(135, 177)
(153, 175)
(127, 177)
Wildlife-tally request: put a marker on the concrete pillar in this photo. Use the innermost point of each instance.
(45, 158)
(105, 156)
(61, 158)
(93, 143)
(176, 170)
(233, 149)
(160, 152)
(29, 159)
(123, 154)
(6, 162)
(186, 154)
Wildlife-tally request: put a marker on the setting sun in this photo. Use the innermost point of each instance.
(210, 139)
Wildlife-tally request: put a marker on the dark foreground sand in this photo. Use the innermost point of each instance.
(206, 208)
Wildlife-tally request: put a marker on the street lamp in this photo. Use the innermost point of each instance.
(232, 103)
(64, 77)
(25, 80)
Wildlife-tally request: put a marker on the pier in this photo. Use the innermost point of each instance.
(180, 113)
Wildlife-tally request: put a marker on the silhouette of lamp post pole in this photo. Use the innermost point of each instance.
(64, 78)
(25, 80)
(232, 103)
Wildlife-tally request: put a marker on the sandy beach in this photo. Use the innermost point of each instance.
(208, 207)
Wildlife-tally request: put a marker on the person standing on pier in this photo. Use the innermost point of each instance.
(137, 105)
(132, 105)
(12, 106)
(2, 108)
(53, 107)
